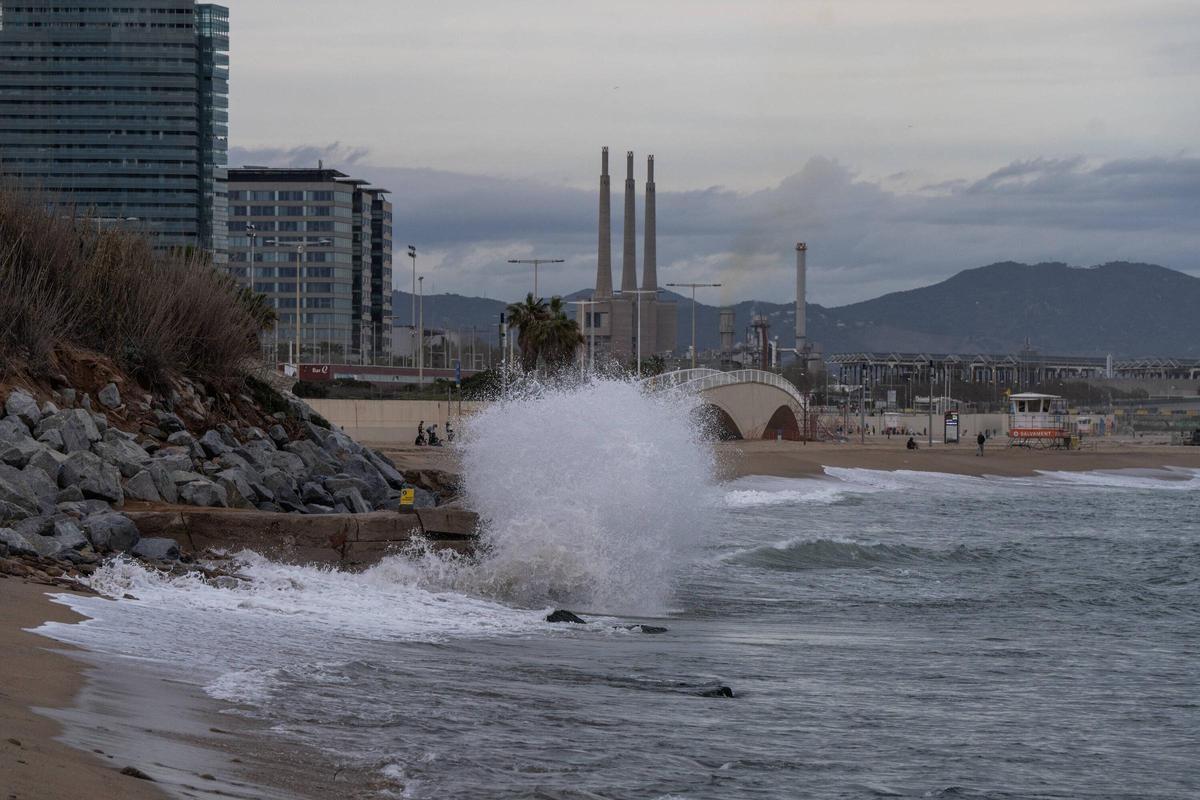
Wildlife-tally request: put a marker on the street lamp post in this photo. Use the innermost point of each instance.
(421, 337)
(536, 262)
(591, 355)
(251, 234)
(412, 319)
(931, 402)
(694, 287)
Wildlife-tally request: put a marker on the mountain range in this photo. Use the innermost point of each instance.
(1126, 309)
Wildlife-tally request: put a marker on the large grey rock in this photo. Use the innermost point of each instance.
(181, 476)
(69, 534)
(82, 508)
(93, 477)
(39, 485)
(17, 492)
(340, 446)
(359, 467)
(71, 494)
(173, 459)
(10, 512)
(12, 427)
(49, 462)
(287, 462)
(142, 487)
(204, 493)
(109, 396)
(49, 408)
(162, 481)
(34, 526)
(110, 532)
(181, 439)
(278, 435)
(20, 404)
(311, 455)
(123, 454)
(15, 542)
(352, 500)
(16, 453)
(76, 426)
(237, 488)
(53, 439)
(281, 486)
(388, 470)
(169, 422)
(213, 444)
(157, 549)
(314, 493)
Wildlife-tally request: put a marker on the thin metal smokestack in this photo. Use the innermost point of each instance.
(629, 258)
(650, 267)
(801, 296)
(604, 246)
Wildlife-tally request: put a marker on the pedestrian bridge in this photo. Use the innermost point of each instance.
(744, 403)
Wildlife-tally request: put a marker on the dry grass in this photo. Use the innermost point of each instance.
(63, 284)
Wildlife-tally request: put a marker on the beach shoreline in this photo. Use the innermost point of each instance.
(73, 718)
(810, 459)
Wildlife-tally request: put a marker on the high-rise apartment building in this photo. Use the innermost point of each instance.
(339, 230)
(121, 111)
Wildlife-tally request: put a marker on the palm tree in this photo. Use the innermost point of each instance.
(526, 316)
(561, 336)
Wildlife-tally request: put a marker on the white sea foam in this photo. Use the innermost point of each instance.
(591, 495)
(1171, 479)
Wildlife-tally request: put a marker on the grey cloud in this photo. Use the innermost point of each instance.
(864, 238)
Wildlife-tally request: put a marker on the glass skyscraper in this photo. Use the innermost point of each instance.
(121, 111)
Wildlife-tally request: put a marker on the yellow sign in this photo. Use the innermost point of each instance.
(407, 496)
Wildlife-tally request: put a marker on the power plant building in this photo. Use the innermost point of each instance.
(612, 320)
(120, 111)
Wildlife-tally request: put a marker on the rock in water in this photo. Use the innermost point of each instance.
(110, 531)
(715, 691)
(134, 772)
(157, 549)
(562, 615)
(643, 628)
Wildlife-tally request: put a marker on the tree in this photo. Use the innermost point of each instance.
(545, 333)
(526, 316)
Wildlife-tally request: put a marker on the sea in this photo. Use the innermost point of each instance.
(882, 634)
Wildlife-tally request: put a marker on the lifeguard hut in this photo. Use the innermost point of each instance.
(1038, 420)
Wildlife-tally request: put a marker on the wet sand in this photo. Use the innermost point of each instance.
(797, 459)
(36, 673)
(71, 720)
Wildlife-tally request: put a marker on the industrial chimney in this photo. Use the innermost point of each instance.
(726, 331)
(801, 298)
(629, 258)
(650, 267)
(604, 247)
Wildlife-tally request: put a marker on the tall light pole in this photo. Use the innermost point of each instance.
(931, 402)
(412, 319)
(584, 305)
(251, 234)
(300, 251)
(421, 338)
(694, 287)
(639, 293)
(536, 263)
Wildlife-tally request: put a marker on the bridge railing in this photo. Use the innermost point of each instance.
(669, 380)
(716, 378)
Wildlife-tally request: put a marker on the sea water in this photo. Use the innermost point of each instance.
(884, 634)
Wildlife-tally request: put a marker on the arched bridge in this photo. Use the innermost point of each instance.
(744, 403)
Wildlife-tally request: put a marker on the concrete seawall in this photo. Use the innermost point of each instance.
(346, 540)
(391, 421)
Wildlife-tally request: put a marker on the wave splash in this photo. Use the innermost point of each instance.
(590, 494)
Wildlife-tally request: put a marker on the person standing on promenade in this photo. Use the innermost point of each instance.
(980, 440)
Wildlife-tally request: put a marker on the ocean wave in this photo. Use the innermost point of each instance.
(1169, 479)
(803, 554)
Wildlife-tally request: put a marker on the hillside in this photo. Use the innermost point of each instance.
(1127, 309)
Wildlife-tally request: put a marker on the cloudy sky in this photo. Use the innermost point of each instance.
(904, 140)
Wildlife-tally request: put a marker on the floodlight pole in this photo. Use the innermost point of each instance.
(536, 263)
(694, 287)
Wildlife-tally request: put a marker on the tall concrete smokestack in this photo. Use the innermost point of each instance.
(650, 266)
(629, 258)
(801, 297)
(604, 247)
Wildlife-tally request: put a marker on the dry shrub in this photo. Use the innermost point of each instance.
(63, 282)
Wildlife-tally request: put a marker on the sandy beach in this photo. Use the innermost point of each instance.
(35, 673)
(799, 459)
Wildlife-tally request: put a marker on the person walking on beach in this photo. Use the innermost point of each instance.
(980, 440)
